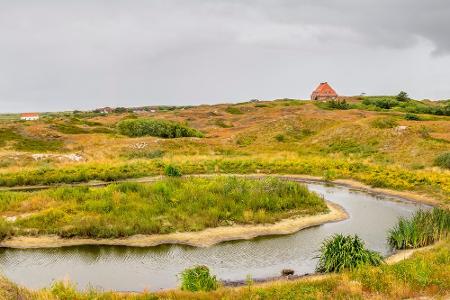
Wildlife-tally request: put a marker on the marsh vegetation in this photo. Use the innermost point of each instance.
(169, 205)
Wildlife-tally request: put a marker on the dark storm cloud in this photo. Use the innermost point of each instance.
(83, 54)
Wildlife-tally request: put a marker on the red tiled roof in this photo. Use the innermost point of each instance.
(325, 89)
(25, 115)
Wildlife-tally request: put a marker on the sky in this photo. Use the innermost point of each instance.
(83, 54)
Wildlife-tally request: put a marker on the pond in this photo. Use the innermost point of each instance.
(123, 268)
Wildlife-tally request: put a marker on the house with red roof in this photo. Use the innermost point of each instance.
(323, 92)
(29, 116)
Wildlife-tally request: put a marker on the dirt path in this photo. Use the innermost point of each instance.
(202, 238)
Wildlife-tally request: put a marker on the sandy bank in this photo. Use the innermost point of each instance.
(202, 238)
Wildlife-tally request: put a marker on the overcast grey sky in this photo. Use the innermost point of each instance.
(64, 55)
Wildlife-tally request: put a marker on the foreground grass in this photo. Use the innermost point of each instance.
(426, 273)
(169, 205)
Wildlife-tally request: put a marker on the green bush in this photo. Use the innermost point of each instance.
(422, 229)
(340, 252)
(380, 102)
(402, 96)
(172, 171)
(159, 128)
(338, 104)
(412, 117)
(443, 160)
(280, 137)
(383, 123)
(233, 110)
(198, 279)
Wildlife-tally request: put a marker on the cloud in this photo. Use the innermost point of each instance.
(88, 53)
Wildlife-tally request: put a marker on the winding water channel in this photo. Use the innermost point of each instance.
(134, 269)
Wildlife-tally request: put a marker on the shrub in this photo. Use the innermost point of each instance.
(412, 117)
(383, 123)
(402, 96)
(422, 229)
(159, 128)
(338, 104)
(280, 137)
(443, 160)
(172, 171)
(380, 102)
(341, 252)
(198, 279)
(233, 110)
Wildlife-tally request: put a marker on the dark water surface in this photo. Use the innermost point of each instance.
(134, 269)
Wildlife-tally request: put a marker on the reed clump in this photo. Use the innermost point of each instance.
(197, 279)
(339, 253)
(422, 229)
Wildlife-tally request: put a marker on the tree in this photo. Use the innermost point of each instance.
(402, 96)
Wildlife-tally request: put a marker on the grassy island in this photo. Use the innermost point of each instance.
(169, 205)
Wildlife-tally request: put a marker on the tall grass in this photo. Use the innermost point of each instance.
(422, 229)
(393, 177)
(169, 205)
(198, 279)
(340, 252)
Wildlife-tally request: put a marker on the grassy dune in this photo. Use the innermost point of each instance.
(165, 206)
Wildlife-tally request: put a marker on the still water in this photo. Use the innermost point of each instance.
(134, 269)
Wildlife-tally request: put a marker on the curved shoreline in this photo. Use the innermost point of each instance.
(204, 238)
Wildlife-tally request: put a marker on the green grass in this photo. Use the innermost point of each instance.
(339, 253)
(159, 128)
(384, 123)
(422, 229)
(198, 279)
(23, 143)
(233, 110)
(443, 160)
(169, 205)
(143, 154)
(431, 182)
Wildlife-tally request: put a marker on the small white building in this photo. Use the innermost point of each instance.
(29, 116)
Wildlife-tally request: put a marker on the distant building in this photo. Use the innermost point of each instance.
(323, 92)
(29, 116)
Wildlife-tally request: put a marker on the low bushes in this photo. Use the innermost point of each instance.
(233, 110)
(159, 128)
(443, 160)
(422, 229)
(172, 171)
(341, 252)
(198, 279)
